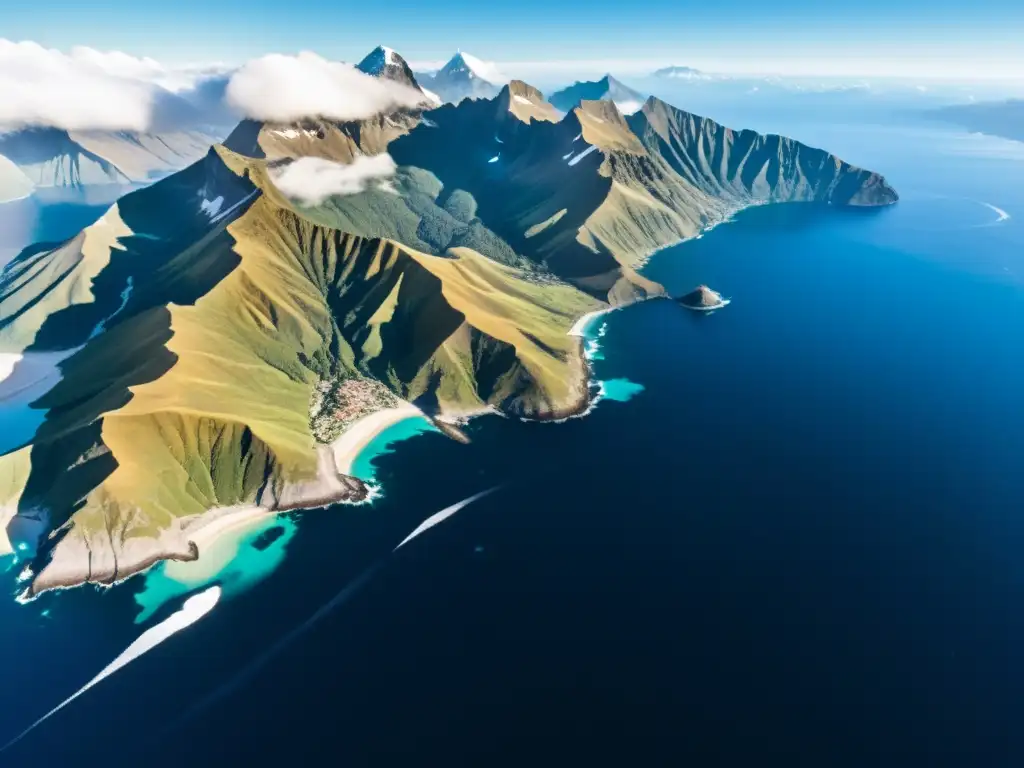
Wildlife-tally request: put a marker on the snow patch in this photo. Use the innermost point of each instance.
(582, 154)
(292, 133)
(522, 99)
(628, 107)
(212, 207)
(494, 159)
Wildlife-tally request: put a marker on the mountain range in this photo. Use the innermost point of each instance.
(198, 350)
(53, 157)
(182, 131)
(996, 118)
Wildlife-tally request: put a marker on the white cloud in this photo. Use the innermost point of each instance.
(286, 88)
(116, 63)
(311, 180)
(85, 89)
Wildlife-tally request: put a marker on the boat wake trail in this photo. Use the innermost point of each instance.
(194, 609)
(339, 599)
(1003, 215)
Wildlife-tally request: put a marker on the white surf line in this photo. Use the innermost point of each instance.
(339, 599)
(193, 609)
(724, 303)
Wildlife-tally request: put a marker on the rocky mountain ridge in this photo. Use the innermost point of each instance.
(173, 350)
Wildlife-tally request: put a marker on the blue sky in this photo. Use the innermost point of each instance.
(816, 37)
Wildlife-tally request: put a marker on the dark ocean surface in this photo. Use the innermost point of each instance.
(794, 535)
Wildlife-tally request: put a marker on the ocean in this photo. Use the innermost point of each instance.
(790, 532)
(52, 215)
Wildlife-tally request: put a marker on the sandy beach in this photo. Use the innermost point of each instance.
(354, 439)
(579, 328)
(216, 524)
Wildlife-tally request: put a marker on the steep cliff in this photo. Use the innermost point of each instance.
(174, 355)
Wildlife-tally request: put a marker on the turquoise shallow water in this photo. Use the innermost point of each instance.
(387, 442)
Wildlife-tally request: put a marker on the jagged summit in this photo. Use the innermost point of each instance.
(386, 63)
(605, 89)
(527, 103)
(380, 60)
(469, 66)
(752, 166)
(464, 76)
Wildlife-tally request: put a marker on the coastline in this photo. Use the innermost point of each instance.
(198, 535)
(579, 328)
(719, 305)
(346, 449)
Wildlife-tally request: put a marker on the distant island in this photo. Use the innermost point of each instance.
(212, 350)
(703, 299)
(681, 73)
(996, 118)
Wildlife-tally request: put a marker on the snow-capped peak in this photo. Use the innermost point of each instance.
(471, 66)
(379, 59)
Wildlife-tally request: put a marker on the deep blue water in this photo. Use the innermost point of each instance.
(52, 215)
(800, 544)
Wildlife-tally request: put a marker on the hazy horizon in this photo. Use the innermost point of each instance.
(927, 39)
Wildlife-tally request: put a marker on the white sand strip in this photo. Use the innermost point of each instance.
(579, 328)
(217, 522)
(354, 439)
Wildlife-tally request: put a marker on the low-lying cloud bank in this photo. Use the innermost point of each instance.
(86, 89)
(286, 88)
(311, 180)
(82, 90)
